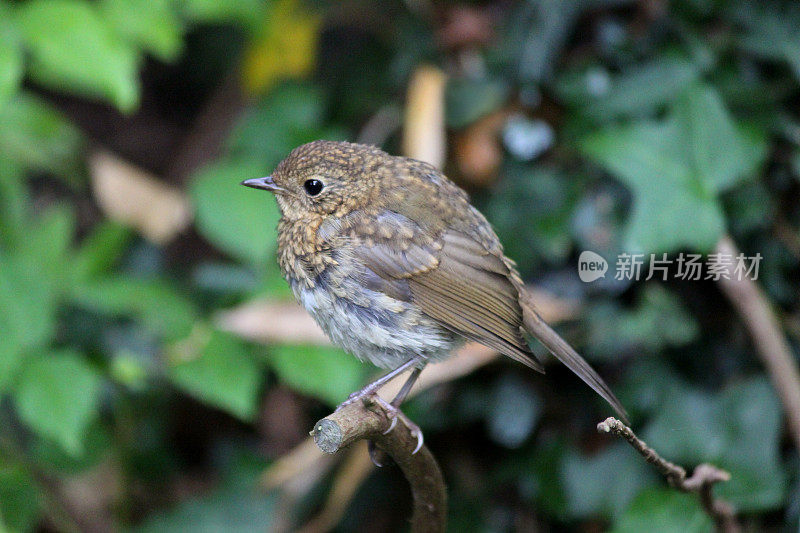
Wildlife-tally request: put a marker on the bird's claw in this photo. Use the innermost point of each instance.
(391, 426)
(396, 414)
(374, 454)
(420, 440)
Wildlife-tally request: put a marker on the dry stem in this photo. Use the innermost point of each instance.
(369, 420)
(753, 307)
(701, 482)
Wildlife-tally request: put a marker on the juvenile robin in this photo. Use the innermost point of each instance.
(397, 267)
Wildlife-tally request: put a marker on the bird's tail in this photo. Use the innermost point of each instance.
(566, 354)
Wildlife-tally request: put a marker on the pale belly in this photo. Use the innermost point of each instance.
(386, 332)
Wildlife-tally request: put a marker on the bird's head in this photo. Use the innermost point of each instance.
(324, 178)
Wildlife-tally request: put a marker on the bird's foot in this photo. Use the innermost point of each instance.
(396, 414)
(367, 393)
(373, 387)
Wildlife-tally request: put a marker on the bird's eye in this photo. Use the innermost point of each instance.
(313, 187)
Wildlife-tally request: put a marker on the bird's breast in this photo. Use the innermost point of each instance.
(370, 324)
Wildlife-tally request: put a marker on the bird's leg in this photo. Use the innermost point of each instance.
(401, 396)
(393, 408)
(378, 383)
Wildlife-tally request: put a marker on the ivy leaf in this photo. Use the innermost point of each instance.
(57, 395)
(738, 431)
(151, 24)
(100, 250)
(11, 59)
(583, 477)
(31, 281)
(638, 91)
(772, 32)
(35, 136)
(238, 220)
(658, 320)
(468, 100)
(721, 153)
(19, 503)
(247, 12)
(144, 300)
(73, 48)
(676, 168)
(664, 511)
(14, 204)
(221, 372)
(335, 373)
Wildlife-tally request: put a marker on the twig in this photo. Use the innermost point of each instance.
(369, 420)
(701, 482)
(755, 311)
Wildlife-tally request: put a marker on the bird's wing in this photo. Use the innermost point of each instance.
(451, 276)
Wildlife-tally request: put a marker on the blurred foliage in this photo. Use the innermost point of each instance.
(623, 126)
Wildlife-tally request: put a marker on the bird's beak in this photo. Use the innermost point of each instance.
(265, 183)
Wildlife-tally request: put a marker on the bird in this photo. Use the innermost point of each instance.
(398, 268)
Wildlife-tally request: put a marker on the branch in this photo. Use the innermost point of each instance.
(701, 482)
(369, 420)
(755, 311)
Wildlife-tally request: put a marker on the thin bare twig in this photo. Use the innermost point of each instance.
(369, 420)
(701, 481)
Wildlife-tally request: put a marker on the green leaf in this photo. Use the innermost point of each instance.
(549, 197)
(19, 503)
(289, 116)
(238, 220)
(48, 240)
(222, 372)
(328, 374)
(11, 61)
(586, 484)
(738, 430)
(95, 445)
(150, 24)
(720, 153)
(13, 204)
(100, 250)
(248, 12)
(156, 303)
(639, 91)
(468, 100)
(676, 168)
(37, 137)
(57, 395)
(664, 511)
(536, 32)
(30, 285)
(772, 32)
(658, 320)
(72, 48)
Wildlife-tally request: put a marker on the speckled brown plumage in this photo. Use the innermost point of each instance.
(394, 262)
